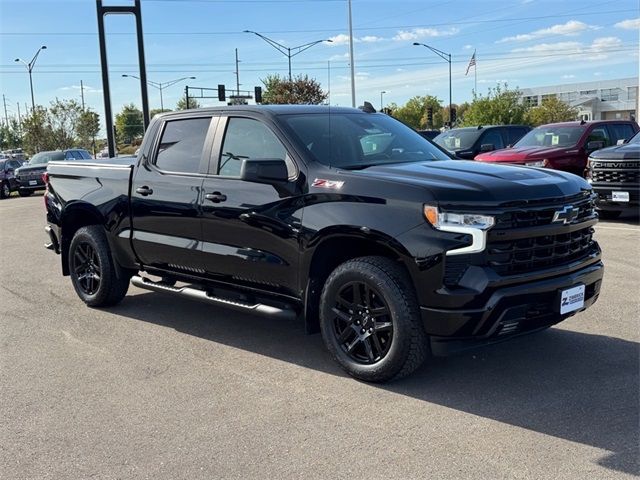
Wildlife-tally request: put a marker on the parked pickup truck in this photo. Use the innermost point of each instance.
(614, 174)
(343, 217)
(563, 146)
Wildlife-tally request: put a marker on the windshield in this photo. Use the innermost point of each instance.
(46, 157)
(552, 136)
(352, 141)
(635, 138)
(457, 139)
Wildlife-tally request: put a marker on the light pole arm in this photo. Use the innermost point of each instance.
(153, 84)
(440, 53)
(306, 46)
(278, 46)
(173, 82)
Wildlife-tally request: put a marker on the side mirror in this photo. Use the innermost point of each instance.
(269, 171)
(594, 145)
(487, 147)
(621, 141)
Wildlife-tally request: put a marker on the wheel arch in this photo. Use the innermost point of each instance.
(334, 246)
(75, 216)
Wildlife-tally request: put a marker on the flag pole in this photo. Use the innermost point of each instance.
(475, 75)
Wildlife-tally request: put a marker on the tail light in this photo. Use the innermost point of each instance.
(45, 178)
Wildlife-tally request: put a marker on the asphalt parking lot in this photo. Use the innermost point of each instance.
(165, 388)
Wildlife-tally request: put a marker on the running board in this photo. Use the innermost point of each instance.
(197, 294)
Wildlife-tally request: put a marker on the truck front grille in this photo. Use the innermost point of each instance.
(616, 176)
(537, 253)
(535, 216)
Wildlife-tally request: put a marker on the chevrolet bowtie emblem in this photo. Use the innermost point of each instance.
(567, 215)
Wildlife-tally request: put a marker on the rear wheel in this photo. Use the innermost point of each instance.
(370, 320)
(98, 281)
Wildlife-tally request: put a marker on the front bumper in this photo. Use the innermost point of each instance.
(605, 196)
(512, 310)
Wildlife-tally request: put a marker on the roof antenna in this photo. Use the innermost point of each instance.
(582, 122)
(367, 108)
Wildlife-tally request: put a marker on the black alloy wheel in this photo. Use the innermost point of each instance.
(362, 323)
(86, 266)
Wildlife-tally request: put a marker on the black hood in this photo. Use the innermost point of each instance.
(459, 181)
(628, 151)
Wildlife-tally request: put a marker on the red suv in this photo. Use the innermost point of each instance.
(563, 146)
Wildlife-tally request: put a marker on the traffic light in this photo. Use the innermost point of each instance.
(221, 93)
(453, 116)
(430, 116)
(258, 94)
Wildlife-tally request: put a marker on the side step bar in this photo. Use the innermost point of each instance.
(197, 294)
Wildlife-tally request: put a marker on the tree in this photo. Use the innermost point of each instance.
(415, 112)
(10, 135)
(552, 110)
(36, 131)
(62, 118)
(182, 104)
(129, 124)
(156, 111)
(301, 90)
(501, 106)
(87, 128)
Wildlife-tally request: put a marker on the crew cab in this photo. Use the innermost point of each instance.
(343, 217)
(614, 174)
(563, 146)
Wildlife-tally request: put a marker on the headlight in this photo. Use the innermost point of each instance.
(468, 223)
(537, 163)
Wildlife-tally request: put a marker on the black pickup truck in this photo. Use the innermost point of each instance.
(614, 174)
(343, 217)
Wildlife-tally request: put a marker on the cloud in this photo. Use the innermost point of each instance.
(603, 43)
(342, 56)
(340, 39)
(572, 27)
(420, 33)
(549, 47)
(566, 77)
(468, 47)
(370, 39)
(630, 24)
(598, 50)
(87, 89)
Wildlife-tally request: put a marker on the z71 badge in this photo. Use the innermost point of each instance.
(322, 183)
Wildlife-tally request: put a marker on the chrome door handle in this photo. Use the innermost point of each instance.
(216, 197)
(144, 191)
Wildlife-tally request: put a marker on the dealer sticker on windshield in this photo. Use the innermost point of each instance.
(572, 299)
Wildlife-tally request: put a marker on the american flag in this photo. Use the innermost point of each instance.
(472, 63)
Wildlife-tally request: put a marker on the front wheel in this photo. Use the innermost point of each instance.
(370, 320)
(5, 190)
(95, 276)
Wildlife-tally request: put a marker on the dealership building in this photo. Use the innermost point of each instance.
(599, 100)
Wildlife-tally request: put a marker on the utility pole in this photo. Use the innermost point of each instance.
(6, 117)
(353, 74)
(19, 116)
(329, 82)
(82, 94)
(237, 74)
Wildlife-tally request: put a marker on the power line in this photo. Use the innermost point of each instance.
(395, 27)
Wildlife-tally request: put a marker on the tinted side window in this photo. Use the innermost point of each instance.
(599, 134)
(620, 131)
(515, 134)
(181, 144)
(493, 137)
(251, 139)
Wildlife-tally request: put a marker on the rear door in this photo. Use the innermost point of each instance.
(250, 230)
(167, 194)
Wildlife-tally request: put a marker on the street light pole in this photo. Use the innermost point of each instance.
(30, 66)
(162, 85)
(447, 57)
(287, 50)
(381, 103)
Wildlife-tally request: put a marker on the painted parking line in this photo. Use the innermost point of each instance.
(637, 229)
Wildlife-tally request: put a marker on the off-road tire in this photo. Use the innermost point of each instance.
(409, 344)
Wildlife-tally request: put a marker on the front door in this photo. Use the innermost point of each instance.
(167, 194)
(250, 230)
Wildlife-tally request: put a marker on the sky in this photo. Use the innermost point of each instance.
(525, 43)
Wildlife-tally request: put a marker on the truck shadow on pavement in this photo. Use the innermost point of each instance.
(575, 386)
